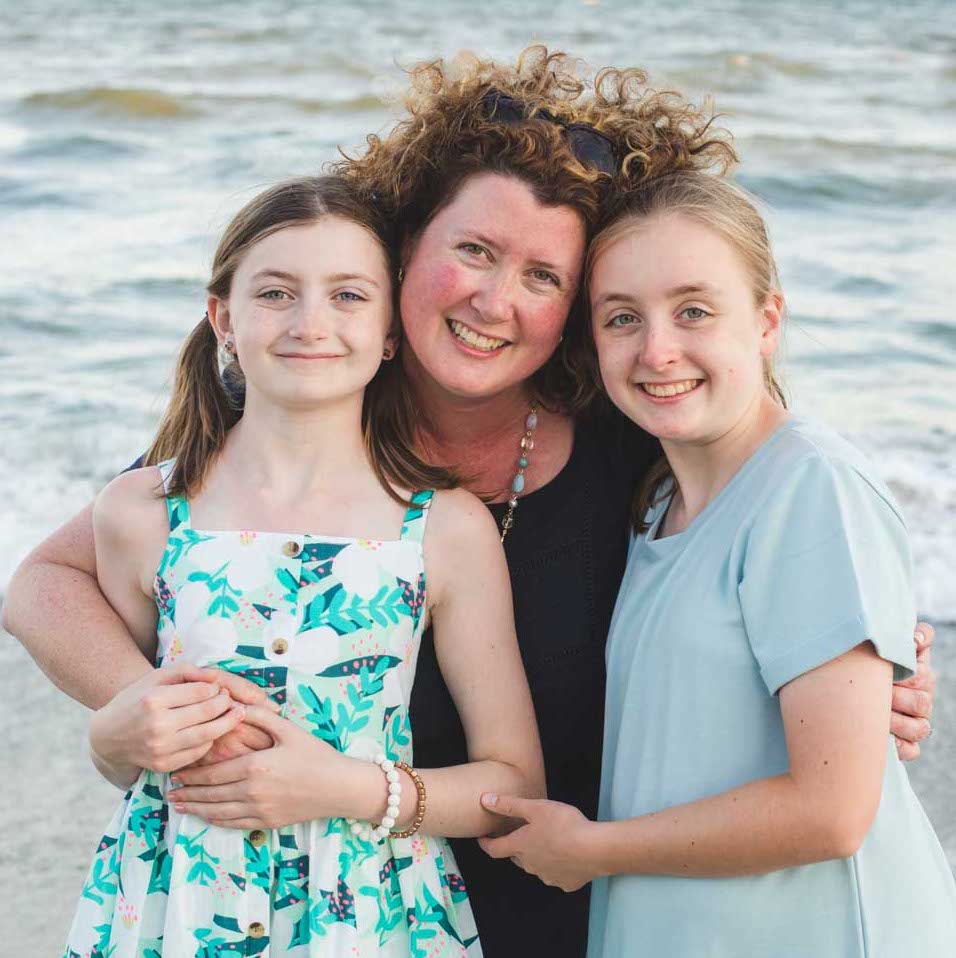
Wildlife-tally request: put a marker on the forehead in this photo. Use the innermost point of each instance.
(330, 244)
(506, 210)
(664, 251)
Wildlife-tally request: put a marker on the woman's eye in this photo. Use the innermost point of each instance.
(694, 313)
(473, 249)
(274, 294)
(545, 277)
(621, 320)
(349, 296)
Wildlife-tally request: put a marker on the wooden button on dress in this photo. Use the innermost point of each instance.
(280, 646)
(256, 929)
(291, 549)
(257, 838)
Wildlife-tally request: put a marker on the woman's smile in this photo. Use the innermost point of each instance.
(474, 342)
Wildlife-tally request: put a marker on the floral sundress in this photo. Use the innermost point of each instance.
(330, 627)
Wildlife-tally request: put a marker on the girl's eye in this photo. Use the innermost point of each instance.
(621, 320)
(546, 277)
(274, 294)
(349, 296)
(694, 313)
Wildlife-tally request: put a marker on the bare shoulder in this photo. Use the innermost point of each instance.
(131, 509)
(458, 517)
(463, 548)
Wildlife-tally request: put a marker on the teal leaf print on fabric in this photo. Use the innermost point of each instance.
(291, 584)
(378, 664)
(224, 602)
(341, 902)
(162, 871)
(179, 546)
(427, 913)
(413, 596)
(202, 872)
(321, 716)
(257, 865)
(147, 820)
(102, 880)
(291, 881)
(336, 609)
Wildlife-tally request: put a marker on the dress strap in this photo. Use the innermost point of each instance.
(177, 507)
(413, 525)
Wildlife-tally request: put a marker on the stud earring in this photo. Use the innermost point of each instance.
(401, 273)
(387, 353)
(229, 346)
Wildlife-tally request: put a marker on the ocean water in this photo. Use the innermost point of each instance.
(130, 132)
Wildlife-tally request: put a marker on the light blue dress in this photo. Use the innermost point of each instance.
(801, 557)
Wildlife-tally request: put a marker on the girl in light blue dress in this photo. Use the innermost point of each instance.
(752, 802)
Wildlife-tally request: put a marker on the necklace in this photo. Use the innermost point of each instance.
(517, 484)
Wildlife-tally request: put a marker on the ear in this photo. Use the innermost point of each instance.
(218, 312)
(771, 323)
(392, 340)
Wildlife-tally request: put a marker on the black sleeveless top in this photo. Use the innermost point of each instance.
(566, 554)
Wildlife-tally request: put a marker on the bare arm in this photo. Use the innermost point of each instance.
(836, 719)
(55, 608)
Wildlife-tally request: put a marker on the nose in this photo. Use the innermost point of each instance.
(310, 322)
(494, 300)
(660, 347)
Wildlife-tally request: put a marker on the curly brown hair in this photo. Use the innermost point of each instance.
(449, 134)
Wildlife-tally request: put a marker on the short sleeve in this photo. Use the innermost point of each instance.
(826, 566)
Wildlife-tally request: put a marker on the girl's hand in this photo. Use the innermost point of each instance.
(553, 844)
(241, 740)
(913, 699)
(290, 782)
(168, 719)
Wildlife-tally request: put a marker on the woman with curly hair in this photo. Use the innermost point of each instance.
(496, 179)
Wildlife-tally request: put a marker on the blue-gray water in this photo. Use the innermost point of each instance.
(131, 131)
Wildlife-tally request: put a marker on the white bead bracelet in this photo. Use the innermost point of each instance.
(381, 831)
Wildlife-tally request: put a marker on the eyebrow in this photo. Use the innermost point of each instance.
(292, 277)
(669, 294)
(536, 263)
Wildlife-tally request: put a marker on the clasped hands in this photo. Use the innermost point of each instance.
(239, 764)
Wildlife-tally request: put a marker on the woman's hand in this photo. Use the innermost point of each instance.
(290, 782)
(168, 719)
(552, 844)
(913, 699)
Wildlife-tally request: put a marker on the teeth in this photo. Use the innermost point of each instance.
(670, 389)
(469, 336)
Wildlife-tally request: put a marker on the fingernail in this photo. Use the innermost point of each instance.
(489, 800)
(176, 780)
(240, 711)
(179, 808)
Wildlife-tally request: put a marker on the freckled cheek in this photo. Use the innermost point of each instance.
(547, 322)
(426, 291)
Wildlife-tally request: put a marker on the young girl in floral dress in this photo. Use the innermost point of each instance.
(291, 537)
(769, 573)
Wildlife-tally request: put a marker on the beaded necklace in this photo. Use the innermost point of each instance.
(517, 484)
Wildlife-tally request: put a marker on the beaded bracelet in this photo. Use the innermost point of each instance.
(420, 811)
(384, 829)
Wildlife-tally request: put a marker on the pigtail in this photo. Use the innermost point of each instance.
(200, 412)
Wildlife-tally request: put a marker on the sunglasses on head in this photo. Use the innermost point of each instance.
(590, 148)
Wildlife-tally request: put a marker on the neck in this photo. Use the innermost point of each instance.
(456, 429)
(703, 470)
(288, 450)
